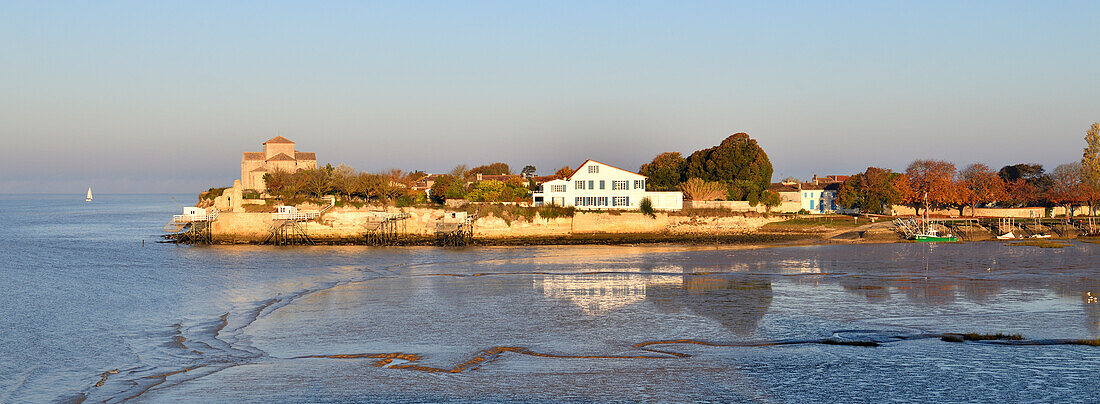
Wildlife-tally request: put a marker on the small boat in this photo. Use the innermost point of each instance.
(89, 197)
(1006, 236)
(928, 234)
(1040, 236)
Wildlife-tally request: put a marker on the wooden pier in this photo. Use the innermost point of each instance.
(194, 226)
(455, 230)
(964, 228)
(384, 228)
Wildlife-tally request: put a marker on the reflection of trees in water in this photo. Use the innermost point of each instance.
(928, 291)
(736, 301)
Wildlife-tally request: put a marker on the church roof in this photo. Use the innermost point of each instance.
(281, 157)
(250, 156)
(278, 139)
(259, 170)
(305, 155)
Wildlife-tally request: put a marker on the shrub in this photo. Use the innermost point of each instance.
(212, 193)
(646, 207)
(699, 190)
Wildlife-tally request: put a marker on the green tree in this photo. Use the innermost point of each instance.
(447, 187)
(737, 162)
(873, 191)
(528, 171)
(665, 172)
(487, 191)
(490, 169)
(1028, 184)
(770, 199)
(646, 207)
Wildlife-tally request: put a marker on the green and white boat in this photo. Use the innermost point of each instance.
(929, 236)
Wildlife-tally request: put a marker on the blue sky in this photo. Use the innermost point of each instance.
(163, 97)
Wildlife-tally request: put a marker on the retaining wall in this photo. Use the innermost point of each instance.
(348, 223)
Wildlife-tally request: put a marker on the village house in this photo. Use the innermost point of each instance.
(595, 185)
(788, 192)
(278, 155)
(820, 198)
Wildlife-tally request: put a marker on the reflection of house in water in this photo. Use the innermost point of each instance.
(737, 301)
(597, 294)
(733, 300)
(800, 266)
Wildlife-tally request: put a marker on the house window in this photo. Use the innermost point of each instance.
(580, 185)
(602, 184)
(620, 185)
(639, 184)
(557, 188)
(593, 169)
(601, 201)
(591, 184)
(620, 201)
(578, 201)
(811, 204)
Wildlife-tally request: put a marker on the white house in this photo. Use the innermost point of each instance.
(820, 198)
(595, 185)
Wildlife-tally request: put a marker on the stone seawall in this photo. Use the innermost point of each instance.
(348, 224)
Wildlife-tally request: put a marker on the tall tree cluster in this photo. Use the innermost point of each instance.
(342, 181)
(874, 190)
(739, 164)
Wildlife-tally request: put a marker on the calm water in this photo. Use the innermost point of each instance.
(82, 297)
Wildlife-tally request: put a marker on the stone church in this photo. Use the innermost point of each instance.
(278, 155)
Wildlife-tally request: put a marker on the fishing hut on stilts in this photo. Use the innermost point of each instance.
(287, 224)
(194, 226)
(385, 228)
(456, 229)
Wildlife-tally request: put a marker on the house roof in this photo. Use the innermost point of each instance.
(498, 177)
(259, 170)
(780, 187)
(250, 156)
(281, 157)
(305, 155)
(278, 139)
(832, 186)
(601, 163)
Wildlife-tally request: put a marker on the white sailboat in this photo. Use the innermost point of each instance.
(89, 197)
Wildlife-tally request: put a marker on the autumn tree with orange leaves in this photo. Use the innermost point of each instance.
(934, 178)
(1065, 189)
(979, 185)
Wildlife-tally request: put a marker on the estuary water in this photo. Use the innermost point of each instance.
(88, 313)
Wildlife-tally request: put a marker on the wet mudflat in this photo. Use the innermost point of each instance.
(566, 323)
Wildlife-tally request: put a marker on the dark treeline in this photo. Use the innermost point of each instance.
(737, 169)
